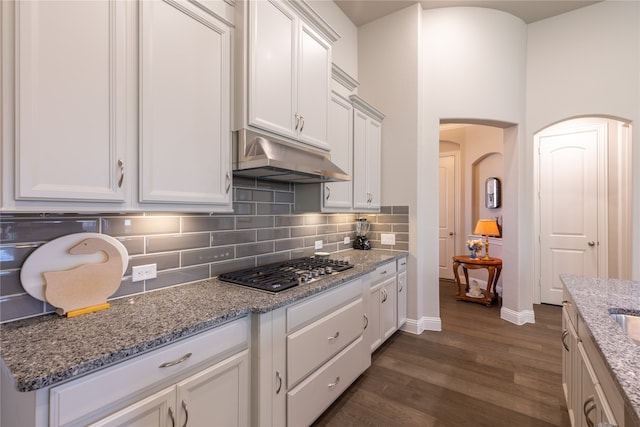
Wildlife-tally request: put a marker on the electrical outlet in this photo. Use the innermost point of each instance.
(143, 272)
(347, 240)
(388, 239)
(318, 244)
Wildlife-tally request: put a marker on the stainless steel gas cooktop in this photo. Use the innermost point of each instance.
(279, 276)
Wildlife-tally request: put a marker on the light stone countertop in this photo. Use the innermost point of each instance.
(593, 298)
(46, 350)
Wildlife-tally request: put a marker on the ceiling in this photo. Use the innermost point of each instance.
(361, 12)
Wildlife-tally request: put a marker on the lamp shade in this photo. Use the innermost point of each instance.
(487, 227)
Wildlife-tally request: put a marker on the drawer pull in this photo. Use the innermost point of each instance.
(334, 384)
(566, 303)
(382, 273)
(173, 420)
(279, 380)
(335, 337)
(186, 414)
(565, 333)
(366, 321)
(175, 362)
(588, 407)
(404, 263)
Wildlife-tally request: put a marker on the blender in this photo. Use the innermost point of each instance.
(361, 241)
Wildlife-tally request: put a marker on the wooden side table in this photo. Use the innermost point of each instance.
(493, 266)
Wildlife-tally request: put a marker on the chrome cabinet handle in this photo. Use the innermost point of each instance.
(592, 243)
(302, 121)
(400, 289)
(366, 321)
(382, 273)
(279, 379)
(590, 402)
(328, 190)
(384, 296)
(566, 303)
(565, 333)
(175, 362)
(335, 337)
(228, 186)
(297, 122)
(121, 178)
(335, 383)
(173, 420)
(186, 414)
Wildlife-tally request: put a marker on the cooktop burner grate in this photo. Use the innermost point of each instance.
(280, 276)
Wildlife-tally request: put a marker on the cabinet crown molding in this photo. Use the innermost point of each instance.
(313, 18)
(363, 105)
(342, 77)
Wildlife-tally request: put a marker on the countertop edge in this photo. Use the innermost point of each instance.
(245, 302)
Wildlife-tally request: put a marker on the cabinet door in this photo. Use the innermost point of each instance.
(402, 298)
(570, 373)
(338, 195)
(314, 71)
(154, 411)
(273, 63)
(388, 310)
(374, 135)
(185, 142)
(360, 185)
(373, 333)
(70, 100)
(217, 396)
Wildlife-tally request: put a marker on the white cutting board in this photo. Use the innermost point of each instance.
(54, 255)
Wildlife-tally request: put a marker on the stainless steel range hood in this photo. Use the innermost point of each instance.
(260, 156)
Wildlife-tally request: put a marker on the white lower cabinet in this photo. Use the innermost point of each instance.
(382, 312)
(216, 396)
(402, 291)
(305, 355)
(204, 378)
(591, 395)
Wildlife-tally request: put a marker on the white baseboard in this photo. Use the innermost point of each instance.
(517, 317)
(424, 324)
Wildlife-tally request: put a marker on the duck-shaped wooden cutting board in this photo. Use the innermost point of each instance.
(76, 273)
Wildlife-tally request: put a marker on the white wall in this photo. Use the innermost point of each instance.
(475, 63)
(587, 62)
(389, 55)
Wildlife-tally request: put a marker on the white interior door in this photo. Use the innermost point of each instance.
(447, 194)
(569, 206)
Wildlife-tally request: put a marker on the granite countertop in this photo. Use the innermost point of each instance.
(45, 350)
(593, 298)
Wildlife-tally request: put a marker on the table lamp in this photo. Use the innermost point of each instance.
(487, 227)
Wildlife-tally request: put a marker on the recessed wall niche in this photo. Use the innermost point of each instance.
(489, 165)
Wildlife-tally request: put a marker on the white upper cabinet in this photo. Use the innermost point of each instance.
(288, 69)
(339, 195)
(115, 106)
(185, 103)
(70, 101)
(367, 137)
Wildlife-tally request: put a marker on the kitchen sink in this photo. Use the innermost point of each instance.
(629, 323)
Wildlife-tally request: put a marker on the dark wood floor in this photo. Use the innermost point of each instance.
(478, 371)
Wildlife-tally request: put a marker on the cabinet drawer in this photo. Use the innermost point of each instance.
(402, 265)
(316, 343)
(314, 308)
(103, 391)
(307, 401)
(383, 272)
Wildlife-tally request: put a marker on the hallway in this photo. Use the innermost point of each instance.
(479, 371)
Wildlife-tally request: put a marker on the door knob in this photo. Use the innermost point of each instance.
(451, 234)
(592, 243)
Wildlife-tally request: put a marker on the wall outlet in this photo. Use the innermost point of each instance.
(143, 272)
(388, 239)
(347, 240)
(318, 244)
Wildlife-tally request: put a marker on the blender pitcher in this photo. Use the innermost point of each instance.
(361, 241)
